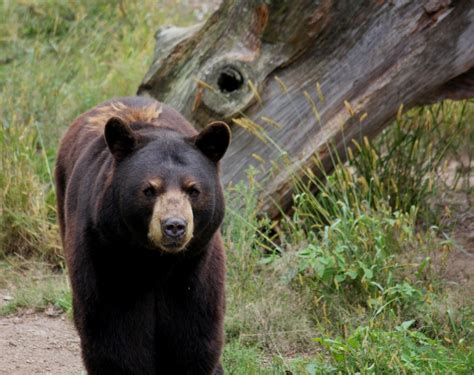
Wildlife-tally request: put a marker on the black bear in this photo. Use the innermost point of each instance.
(140, 205)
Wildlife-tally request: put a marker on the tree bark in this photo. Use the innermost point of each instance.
(292, 77)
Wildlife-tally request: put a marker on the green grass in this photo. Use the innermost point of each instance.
(349, 283)
(32, 285)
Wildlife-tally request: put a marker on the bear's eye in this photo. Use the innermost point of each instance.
(149, 191)
(193, 191)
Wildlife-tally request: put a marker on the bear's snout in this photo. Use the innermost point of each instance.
(171, 226)
(174, 228)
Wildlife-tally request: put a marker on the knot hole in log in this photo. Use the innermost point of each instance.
(229, 80)
(227, 91)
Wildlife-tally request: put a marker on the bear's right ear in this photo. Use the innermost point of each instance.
(120, 138)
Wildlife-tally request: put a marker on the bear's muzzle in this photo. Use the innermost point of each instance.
(171, 225)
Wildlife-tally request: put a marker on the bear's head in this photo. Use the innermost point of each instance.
(165, 186)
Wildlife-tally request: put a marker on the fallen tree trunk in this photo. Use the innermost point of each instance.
(293, 76)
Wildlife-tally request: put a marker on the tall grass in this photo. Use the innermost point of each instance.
(27, 217)
(400, 169)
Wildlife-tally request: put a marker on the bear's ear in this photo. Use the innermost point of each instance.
(213, 140)
(120, 138)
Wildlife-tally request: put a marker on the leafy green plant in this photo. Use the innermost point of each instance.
(370, 350)
(356, 255)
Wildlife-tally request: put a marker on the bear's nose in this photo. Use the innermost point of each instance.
(174, 227)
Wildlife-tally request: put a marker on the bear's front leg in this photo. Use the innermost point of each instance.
(190, 340)
(118, 340)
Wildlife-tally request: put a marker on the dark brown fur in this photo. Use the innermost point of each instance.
(139, 310)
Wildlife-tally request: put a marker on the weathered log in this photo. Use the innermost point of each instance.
(293, 76)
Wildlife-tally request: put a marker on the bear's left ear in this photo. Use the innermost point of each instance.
(120, 138)
(213, 140)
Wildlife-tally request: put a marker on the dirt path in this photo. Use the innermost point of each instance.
(459, 263)
(39, 344)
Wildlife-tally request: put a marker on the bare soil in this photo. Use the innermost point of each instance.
(39, 344)
(459, 262)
